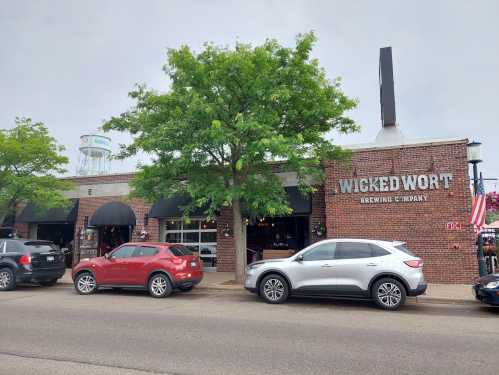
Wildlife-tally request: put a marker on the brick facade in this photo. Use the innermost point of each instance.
(88, 206)
(449, 256)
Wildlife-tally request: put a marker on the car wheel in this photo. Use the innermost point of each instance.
(388, 294)
(85, 283)
(185, 288)
(7, 279)
(160, 286)
(48, 282)
(274, 289)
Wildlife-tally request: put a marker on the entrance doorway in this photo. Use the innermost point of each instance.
(112, 236)
(61, 234)
(276, 237)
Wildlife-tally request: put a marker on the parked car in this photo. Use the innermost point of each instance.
(385, 272)
(29, 261)
(486, 289)
(156, 267)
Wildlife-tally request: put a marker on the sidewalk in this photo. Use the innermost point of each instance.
(436, 293)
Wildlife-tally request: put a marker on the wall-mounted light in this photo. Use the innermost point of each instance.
(432, 165)
(227, 231)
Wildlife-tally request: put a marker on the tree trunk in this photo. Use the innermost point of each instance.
(2, 218)
(239, 240)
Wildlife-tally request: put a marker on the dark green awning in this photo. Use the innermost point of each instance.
(31, 214)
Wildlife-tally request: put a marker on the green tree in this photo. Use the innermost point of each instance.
(29, 160)
(227, 115)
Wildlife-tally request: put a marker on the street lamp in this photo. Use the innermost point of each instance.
(475, 157)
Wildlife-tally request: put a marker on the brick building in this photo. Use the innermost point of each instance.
(414, 192)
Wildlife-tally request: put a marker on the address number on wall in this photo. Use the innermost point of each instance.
(454, 226)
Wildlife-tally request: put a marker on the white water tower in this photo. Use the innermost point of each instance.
(95, 155)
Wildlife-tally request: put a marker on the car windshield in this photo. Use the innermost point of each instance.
(403, 247)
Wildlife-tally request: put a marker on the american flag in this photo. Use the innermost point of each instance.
(478, 207)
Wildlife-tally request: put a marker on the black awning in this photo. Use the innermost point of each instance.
(32, 214)
(8, 221)
(301, 204)
(113, 213)
(172, 207)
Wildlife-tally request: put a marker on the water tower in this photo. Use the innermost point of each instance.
(95, 155)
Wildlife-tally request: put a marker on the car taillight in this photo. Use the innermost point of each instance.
(414, 263)
(24, 260)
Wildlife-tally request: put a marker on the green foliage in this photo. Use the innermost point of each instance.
(491, 216)
(230, 116)
(29, 160)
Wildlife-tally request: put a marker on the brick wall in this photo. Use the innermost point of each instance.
(318, 214)
(449, 256)
(226, 250)
(110, 178)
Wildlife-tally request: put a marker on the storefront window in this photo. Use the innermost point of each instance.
(199, 235)
(175, 237)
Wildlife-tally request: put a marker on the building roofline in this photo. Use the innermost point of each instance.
(409, 144)
(353, 148)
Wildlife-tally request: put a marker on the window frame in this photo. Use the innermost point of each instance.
(372, 247)
(156, 251)
(316, 247)
(122, 247)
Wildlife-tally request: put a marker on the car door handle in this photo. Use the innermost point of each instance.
(326, 266)
(371, 264)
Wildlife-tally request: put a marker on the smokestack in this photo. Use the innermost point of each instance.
(386, 89)
(389, 134)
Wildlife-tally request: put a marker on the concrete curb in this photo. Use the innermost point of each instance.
(419, 299)
(449, 301)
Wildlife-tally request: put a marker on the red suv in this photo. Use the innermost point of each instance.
(157, 267)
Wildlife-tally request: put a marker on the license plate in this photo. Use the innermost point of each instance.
(50, 258)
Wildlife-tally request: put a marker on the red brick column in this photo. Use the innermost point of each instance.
(318, 214)
(226, 249)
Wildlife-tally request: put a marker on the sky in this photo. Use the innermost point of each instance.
(71, 64)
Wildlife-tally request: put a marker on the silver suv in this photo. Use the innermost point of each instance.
(385, 272)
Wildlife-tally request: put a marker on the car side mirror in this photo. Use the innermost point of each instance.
(107, 256)
(299, 258)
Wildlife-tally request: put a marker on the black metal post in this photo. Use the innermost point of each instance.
(475, 177)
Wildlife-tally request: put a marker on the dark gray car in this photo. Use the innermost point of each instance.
(29, 261)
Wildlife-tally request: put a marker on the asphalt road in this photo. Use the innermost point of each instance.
(55, 331)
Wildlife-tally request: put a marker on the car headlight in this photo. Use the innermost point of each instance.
(254, 266)
(492, 285)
